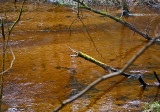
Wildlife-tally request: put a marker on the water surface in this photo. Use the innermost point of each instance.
(44, 74)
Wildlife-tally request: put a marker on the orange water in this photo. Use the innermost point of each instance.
(43, 74)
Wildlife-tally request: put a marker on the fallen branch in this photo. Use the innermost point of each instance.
(104, 66)
(104, 77)
(146, 36)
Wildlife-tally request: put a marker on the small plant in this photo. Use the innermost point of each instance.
(5, 45)
(155, 107)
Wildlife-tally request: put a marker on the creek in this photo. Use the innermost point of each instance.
(44, 74)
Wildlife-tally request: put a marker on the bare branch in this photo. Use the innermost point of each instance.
(116, 19)
(139, 53)
(104, 77)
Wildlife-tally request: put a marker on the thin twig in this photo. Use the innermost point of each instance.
(20, 14)
(90, 38)
(104, 77)
(3, 62)
(11, 64)
(17, 20)
(2, 28)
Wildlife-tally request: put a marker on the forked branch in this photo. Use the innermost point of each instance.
(5, 44)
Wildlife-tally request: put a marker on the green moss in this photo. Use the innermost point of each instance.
(89, 58)
(155, 107)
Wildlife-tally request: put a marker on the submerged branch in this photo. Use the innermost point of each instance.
(146, 36)
(103, 77)
(157, 77)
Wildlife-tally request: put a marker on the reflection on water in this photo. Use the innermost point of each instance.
(44, 74)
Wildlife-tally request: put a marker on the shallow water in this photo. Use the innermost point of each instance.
(44, 74)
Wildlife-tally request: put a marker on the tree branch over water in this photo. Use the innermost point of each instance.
(103, 77)
(146, 36)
